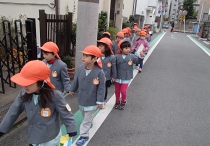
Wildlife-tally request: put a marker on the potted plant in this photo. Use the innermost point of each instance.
(70, 65)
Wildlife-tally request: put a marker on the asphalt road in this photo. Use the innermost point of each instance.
(168, 103)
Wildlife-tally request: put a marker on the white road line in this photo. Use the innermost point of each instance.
(102, 115)
(199, 45)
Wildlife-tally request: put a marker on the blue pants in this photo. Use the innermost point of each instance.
(140, 65)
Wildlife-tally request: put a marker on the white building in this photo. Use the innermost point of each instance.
(145, 10)
(174, 10)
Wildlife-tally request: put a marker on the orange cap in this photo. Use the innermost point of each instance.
(106, 41)
(32, 72)
(92, 50)
(144, 30)
(143, 33)
(124, 30)
(119, 43)
(120, 34)
(51, 47)
(106, 32)
(135, 27)
(138, 29)
(129, 30)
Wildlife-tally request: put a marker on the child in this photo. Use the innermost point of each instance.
(109, 63)
(89, 79)
(43, 105)
(59, 75)
(119, 36)
(148, 37)
(124, 63)
(106, 34)
(142, 40)
(136, 36)
(126, 35)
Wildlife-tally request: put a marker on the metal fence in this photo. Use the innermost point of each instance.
(17, 47)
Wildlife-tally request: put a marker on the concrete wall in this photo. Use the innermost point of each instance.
(29, 8)
(206, 8)
(128, 8)
(69, 6)
(148, 9)
(119, 12)
(104, 5)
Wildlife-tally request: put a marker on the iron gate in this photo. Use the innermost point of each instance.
(17, 48)
(57, 28)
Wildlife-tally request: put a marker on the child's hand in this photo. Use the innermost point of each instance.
(71, 93)
(112, 79)
(141, 54)
(100, 106)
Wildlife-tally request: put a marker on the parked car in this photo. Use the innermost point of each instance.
(166, 25)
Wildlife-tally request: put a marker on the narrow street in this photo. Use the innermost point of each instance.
(168, 103)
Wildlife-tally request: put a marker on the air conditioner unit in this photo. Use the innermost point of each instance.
(149, 8)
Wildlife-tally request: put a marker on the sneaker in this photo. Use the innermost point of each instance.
(140, 70)
(91, 125)
(104, 105)
(117, 105)
(81, 141)
(122, 105)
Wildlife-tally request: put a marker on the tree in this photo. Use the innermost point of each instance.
(189, 7)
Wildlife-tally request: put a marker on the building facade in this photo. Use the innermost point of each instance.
(174, 9)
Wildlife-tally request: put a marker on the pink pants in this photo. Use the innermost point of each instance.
(121, 88)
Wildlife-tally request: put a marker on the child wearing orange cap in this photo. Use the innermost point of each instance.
(124, 67)
(89, 80)
(106, 34)
(44, 106)
(136, 36)
(109, 63)
(126, 35)
(148, 36)
(119, 36)
(141, 41)
(59, 74)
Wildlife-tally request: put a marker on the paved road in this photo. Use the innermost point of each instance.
(168, 103)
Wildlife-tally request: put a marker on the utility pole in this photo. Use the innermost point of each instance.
(87, 26)
(161, 16)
